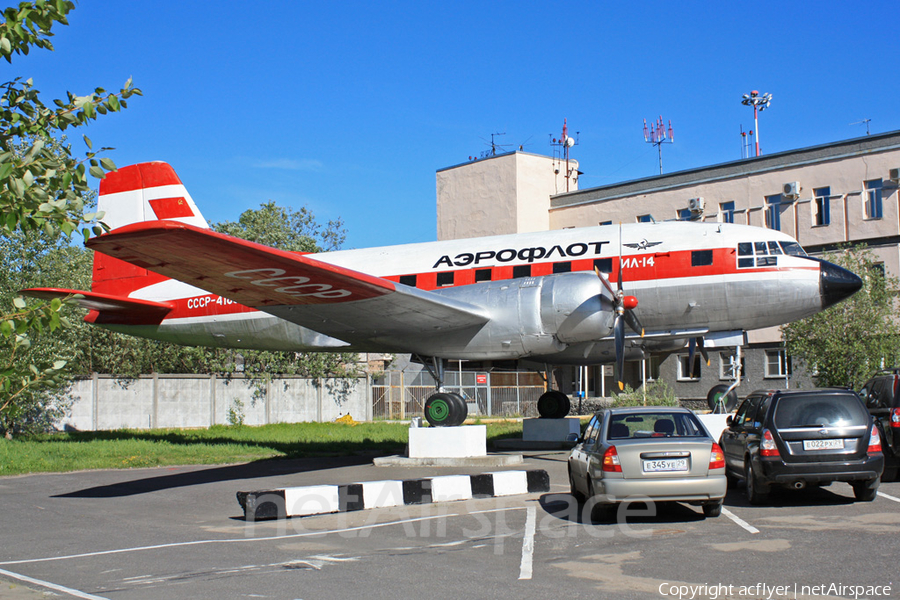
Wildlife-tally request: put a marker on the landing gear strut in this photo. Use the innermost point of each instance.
(443, 409)
(552, 404)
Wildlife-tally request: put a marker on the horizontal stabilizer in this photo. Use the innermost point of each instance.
(106, 308)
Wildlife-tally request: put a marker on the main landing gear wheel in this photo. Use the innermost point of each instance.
(553, 405)
(445, 410)
(716, 398)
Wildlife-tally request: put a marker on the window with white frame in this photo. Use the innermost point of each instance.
(686, 371)
(873, 204)
(778, 364)
(645, 219)
(821, 206)
(726, 367)
(684, 214)
(773, 212)
(726, 212)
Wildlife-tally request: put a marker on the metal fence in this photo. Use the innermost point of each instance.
(402, 396)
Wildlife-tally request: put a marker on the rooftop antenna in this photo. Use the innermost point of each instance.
(866, 121)
(657, 135)
(563, 144)
(745, 142)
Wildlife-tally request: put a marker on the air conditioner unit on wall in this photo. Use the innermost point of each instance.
(696, 205)
(895, 175)
(791, 190)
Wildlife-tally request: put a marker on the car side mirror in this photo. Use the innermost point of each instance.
(573, 437)
(729, 420)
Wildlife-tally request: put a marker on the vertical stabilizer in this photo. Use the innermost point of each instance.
(143, 192)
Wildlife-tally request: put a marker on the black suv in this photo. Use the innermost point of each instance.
(799, 437)
(882, 397)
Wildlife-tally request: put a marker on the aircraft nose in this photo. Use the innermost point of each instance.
(836, 283)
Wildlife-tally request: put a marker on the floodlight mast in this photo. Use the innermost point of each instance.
(759, 103)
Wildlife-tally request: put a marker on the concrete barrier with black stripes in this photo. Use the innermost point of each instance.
(323, 499)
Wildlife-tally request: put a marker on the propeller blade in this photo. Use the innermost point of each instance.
(634, 323)
(605, 281)
(692, 349)
(619, 327)
(703, 351)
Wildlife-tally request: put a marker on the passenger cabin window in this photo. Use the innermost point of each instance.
(604, 265)
(445, 279)
(520, 271)
(482, 275)
(701, 258)
(562, 267)
(409, 280)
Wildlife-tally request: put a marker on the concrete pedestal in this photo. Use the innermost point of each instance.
(714, 423)
(448, 442)
(549, 430)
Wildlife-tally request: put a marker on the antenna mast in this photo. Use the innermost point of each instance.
(657, 135)
(563, 144)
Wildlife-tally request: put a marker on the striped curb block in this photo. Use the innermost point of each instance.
(324, 499)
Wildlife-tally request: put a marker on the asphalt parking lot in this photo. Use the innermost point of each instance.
(179, 533)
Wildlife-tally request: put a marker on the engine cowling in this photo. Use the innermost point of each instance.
(575, 308)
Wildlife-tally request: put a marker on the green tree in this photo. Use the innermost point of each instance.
(843, 345)
(285, 229)
(43, 186)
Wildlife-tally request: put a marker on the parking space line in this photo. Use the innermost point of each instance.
(889, 497)
(259, 539)
(739, 521)
(528, 544)
(50, 586)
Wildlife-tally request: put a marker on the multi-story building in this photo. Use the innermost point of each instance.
(824, 196)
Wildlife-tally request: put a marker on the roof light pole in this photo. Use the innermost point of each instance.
(657, 135)
(759, 103)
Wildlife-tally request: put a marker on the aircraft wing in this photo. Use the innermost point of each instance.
(339, 302)
(106, 308)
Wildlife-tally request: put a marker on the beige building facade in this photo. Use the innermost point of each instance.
(839, 193)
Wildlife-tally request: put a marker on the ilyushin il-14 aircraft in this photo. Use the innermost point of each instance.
(538, 299)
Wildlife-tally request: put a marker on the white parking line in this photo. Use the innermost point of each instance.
(739, 521)
(889, 497)
(528, 544)
(51, 586)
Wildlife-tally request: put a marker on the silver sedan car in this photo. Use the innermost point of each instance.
(647, 453)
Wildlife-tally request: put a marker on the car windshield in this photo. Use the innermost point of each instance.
(817, 410)
(653, 424)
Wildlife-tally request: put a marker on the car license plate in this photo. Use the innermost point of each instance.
(665, 465)
(823, 444)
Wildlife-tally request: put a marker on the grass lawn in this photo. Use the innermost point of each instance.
(123, 449)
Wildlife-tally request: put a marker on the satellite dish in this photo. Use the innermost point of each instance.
(570, 142)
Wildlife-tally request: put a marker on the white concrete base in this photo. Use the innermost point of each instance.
(549, 430)
(714, 423)
(448, 442)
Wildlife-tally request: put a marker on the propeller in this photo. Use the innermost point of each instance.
(624, 307)
(693, 345)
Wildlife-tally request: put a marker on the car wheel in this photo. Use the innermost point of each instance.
(890, 474)
(865, 491)
(713, 509)
(600, 513)
(579, 497)
(757, 492)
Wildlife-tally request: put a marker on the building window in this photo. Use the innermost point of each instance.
(686, 371)
(684, 214)
(778, 365)
(605, 222)
(773, 212)
(645, 219)
(726, 212)
(821, 206)
(726, 367)
(873, 199)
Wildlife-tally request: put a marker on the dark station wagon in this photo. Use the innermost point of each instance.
(800, 437)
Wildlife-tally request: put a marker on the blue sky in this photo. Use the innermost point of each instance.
(349, 108)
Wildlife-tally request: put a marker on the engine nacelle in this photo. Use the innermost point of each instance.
(575, 308)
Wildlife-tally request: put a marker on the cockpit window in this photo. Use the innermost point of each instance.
(745, 249)
(793, 249)
(773, 248)
(760, 248)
